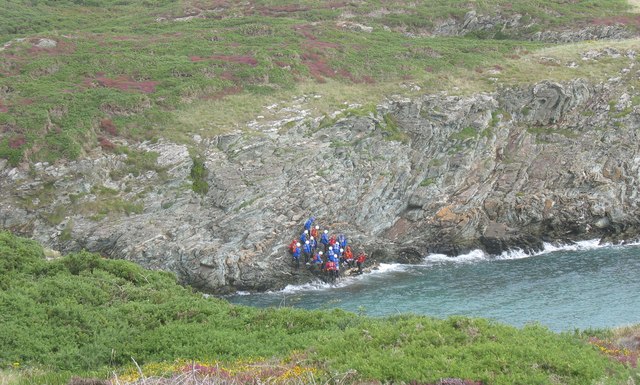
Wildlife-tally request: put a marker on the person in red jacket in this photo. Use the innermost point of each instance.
(292, 246)
(360, 261)
(331, 270)
(348, 256)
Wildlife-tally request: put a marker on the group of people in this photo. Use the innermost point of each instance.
(324, 252)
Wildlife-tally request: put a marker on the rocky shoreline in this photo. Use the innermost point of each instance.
(433, 174)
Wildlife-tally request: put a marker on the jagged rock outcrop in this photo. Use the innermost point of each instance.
(524, 27)
(438, 173)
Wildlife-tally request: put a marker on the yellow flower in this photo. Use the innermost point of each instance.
(15, 365)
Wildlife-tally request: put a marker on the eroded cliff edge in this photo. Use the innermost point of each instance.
(436, 173)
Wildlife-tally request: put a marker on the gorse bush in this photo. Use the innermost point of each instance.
(83, 312)
(198, 176)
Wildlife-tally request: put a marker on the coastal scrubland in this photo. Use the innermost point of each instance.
(84, 316)
(84, 76)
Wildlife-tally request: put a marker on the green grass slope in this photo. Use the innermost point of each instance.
(82, 313)
(123, 70)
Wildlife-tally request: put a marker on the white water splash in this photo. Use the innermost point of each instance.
(388, 267)
(591, 244)
(313, 285)
(470, 257)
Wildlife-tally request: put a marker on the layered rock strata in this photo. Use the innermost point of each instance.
(437, 173)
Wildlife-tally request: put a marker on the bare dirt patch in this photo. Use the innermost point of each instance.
(17, 141)
(318, 67)
(109, 127)
(106, 144)
(59, 48)
(3, 107)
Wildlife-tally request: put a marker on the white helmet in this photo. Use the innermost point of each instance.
(326, 231)
(306, 242)
(341, 250)
(312, 238)
(317, 227)
(298, 244)
(319, 252)
(306, 231)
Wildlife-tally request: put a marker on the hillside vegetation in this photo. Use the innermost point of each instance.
(79, 76)
(85, 315)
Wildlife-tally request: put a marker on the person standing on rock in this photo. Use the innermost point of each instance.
(303, 236)
(296, 255)
(317, 259)
(342, 239)
(331, 268)
(330, 254)
(325, 240)
(348, 256)
(314, 231)
(306, 249)
(308, 224)
(292, 246)
(313, 243)
(336, 249)
(332, 240)
(360, 261)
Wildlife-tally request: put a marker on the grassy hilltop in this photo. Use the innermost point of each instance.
(80, 76)
(82, 315)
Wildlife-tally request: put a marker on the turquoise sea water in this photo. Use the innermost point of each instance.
(580, 286)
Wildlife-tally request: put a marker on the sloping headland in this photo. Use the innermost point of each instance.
(195, 137)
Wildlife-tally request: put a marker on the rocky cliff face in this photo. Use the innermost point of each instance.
(438, 173)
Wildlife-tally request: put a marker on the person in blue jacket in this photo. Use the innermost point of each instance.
(313, 243)
(343, 241)
(324, 239)
(296, 255)
(303, 236)
(317, 260)
(309, 223)
(306, 250)
(336, 249)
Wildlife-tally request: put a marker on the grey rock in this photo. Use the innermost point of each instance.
(46, 43)
(491, 171)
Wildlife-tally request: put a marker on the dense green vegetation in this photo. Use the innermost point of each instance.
(135, 70)
(82, 313)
